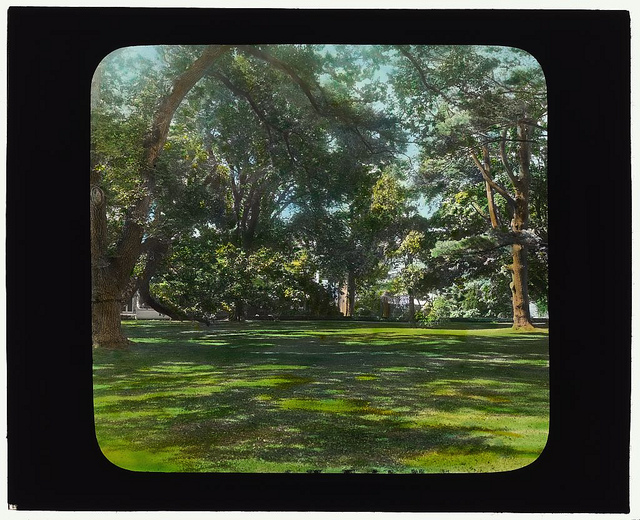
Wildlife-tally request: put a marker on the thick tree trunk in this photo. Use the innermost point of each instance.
(106, 332)
(519, 292)
(111, 275)
(519, 269)
(519, 266)
(519, 209)
(106, 297)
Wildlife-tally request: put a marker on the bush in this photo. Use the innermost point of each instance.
(367, 303)
(437, 311)
(364, 312)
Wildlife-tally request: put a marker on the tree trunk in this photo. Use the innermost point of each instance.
(106, 332)
(519, 266)
(250, 220)
(157, 250)
(111, 275)
(519, 209)
(238, 310)
(351, 293)
(519, 292)
(106, 297)
(412, 307)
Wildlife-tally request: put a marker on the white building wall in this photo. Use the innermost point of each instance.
(137, 312)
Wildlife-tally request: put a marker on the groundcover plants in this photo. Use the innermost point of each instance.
(323, 396)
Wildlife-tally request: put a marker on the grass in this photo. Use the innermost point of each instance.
(323, 397)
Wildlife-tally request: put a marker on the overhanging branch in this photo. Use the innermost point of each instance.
(282, 66)
(486, 243)
(505, 161)
(499, 189)
(422, 75)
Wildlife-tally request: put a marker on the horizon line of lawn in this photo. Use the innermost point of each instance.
(319, 327)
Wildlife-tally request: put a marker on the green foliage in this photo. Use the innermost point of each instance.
(436, 311)
(209, 276)
(388, 198)
(368, 302)
(469, 298)
(459, 247)
(412, 244)
(284, 161)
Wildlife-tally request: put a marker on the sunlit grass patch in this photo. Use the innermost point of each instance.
(282, 380)
(208, 342)
(325, 405)
(180, 368)
(278, 367)
(475, 419)
(165, 460)
(141, 415)
(123, 399)
(450, 460)
(151, 340)
(333, 405)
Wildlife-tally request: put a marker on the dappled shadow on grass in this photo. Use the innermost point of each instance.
(323, 397)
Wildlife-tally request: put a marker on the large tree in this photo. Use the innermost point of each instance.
(111, 269)
(289, 140)
(480, 117)
(294, 128)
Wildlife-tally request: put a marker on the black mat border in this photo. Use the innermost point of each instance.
(54, 462)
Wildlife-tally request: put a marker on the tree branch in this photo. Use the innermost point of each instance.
(505, 162)
(499, 189)
(493, 215)
(128, 248)
(280, 65)
(479, 210)
(306, 89)
(421, 73)
(485, 243)
(181, 87)
(364, 141)
(243, 93)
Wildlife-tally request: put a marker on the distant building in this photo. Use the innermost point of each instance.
(537, 313)
(136, 310)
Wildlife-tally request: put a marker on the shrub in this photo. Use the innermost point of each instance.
(436, 311)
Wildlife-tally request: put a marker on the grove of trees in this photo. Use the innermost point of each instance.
(267, 179)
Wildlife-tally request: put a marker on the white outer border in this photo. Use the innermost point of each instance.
(332, 4)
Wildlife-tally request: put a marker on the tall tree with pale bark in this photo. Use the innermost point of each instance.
(479, 115)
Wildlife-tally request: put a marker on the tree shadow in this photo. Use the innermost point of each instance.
(395, 401)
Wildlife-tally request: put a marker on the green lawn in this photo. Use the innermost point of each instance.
(323, 396)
